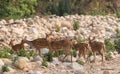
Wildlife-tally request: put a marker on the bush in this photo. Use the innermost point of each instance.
(5, 68)
(117, 33)
(6, 52)
(76, 25)
(27, 54)
(57, 28)
(15, 59)
(117, 45)
(80, 40)
(98, 12)
(48, 57)
(74, 53)
(44, 63)
(109, 45)
(17, 8)
(118, 13)
(61, 52)
(80, 62)
(64, 7)
(108, 56)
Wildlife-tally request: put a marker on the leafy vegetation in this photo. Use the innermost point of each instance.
(17, 8)
(80, 40)
(117, 33)
(25, 8)
(44, 63)
(80, 62)
(109, 45)
(117, 40)
(5, 68)
(76, 25)
(108, 56)
(6, 52)
(57, 28)
(48, 57)
(25, 53)
(117, 45)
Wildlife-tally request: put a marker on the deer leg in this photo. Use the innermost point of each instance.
(102, 54)
(79, 54)
(94, 56)
(64, 57)
(71, 56)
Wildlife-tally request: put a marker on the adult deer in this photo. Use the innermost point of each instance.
(65, 45)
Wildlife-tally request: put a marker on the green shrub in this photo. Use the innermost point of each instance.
(6, 49)
(109, 45)
(61, 52)
(5, 68)
(117, 33)
(108, 56)
(15, 59)
(98, 12)
(74, 53)
(17, 8)
(44, 63)
(48, 57)
(117, 45)
(64, 7)
(76, 25)
(25, 53)
(118, 13)
(57, 28)
(80, 40)
(80, 62)
(6, 52)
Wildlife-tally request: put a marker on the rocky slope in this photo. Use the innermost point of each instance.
(99, 26)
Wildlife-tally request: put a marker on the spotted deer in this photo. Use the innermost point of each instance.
(38, 44)
(16, 47)
(65, 45)
(97, 47)
(82, 48)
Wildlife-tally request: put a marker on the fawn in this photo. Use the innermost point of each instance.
(97, 47)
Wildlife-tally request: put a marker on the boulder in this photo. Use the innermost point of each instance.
(21, 63)
(37, 58)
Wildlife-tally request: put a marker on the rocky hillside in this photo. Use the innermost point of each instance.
(100, 26)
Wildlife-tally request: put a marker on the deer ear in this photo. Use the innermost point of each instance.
(93, 38)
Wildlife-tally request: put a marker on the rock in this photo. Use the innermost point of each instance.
(36, 72)
(44, 50)
(56, 61)
(1, 63)
(37, 58)
(107, 72)
(7, 61)
(66, 24)
(11, 69)
(22, 62)
(75, 66)
(11, 21)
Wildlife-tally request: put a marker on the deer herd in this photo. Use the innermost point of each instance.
(56, 44)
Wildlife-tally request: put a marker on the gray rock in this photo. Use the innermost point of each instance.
(37, 58)
(74, 66)
(44, 50)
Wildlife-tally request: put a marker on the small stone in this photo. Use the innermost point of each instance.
(107, 72)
